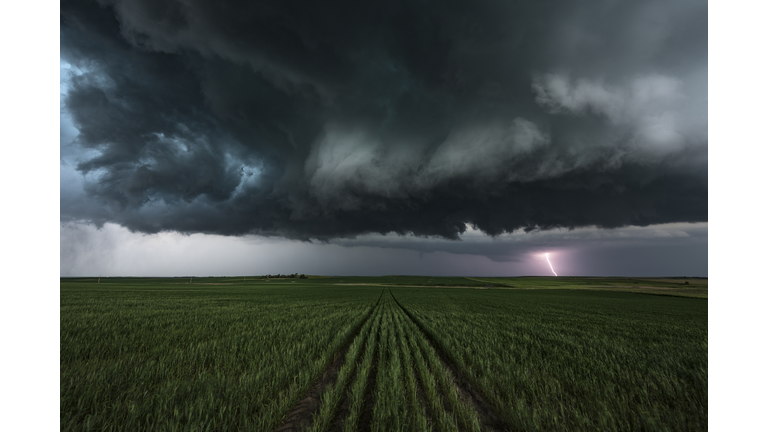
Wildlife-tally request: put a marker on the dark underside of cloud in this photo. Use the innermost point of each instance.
(320, 120)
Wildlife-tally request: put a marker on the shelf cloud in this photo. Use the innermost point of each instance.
(333, 120)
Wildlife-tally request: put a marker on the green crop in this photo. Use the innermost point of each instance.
(412, 354)
(153, 357)
(552, 360)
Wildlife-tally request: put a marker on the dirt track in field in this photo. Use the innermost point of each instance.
(492, 421)
(301, 415)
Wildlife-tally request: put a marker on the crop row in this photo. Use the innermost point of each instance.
(394, 379)
(197, 362)
(575, 361)
(141, 357)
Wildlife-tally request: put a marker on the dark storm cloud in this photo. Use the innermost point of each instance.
(334, 119)
(521, 246)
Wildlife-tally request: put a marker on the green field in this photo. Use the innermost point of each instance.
(383, 353)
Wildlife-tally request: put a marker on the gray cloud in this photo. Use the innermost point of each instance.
(333, 120)
(519, 246)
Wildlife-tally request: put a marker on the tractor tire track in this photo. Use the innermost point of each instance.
(490, 418)
(419, 402)
(441, 413)
(343, 410)
(301, 415)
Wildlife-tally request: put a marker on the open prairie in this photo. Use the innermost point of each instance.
(383, 353)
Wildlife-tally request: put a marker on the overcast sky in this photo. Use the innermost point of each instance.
(447, 138)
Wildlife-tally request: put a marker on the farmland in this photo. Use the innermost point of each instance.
(384, 353)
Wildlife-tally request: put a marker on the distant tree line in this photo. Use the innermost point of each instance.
(280, 276)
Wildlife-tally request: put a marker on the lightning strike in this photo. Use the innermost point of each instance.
(550, 264)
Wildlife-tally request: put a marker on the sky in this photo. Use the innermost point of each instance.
(36, 213)
(384, 137)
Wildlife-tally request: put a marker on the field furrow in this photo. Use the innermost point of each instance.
(471, 410)
(313, 356)
(349, 419)
(576, 361)
(318, 406)
(420, 412)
